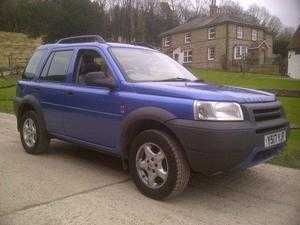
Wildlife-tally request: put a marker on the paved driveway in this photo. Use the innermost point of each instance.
(71, 185)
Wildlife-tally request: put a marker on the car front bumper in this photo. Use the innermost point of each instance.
(214, 147)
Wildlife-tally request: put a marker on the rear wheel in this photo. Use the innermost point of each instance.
(33, 133)
(158, 165)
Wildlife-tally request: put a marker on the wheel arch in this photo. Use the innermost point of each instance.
(26, 104)
(144, 119)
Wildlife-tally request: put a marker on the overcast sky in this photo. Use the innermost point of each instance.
(287, 10)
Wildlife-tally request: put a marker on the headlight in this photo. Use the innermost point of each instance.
(220, 111)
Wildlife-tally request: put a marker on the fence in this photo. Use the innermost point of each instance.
(15, 65)
(15, 49)
(262, 69)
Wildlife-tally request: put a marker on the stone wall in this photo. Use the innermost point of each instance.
(15, 49)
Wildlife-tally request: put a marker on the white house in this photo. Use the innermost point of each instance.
(294, 56)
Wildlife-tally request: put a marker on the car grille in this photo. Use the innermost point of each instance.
(267, 116)
(263, 114)
(260, 112)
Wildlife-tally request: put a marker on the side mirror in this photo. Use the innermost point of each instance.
(99, 79)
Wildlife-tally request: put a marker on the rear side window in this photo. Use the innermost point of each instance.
(57, 66)
(33, 65)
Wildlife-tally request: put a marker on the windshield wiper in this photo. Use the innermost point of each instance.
(199, 81)
(175, 79)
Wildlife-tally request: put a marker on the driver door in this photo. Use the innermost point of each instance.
(93, 112)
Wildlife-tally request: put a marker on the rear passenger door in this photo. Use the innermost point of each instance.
(51, 88)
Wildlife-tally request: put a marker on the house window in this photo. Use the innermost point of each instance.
(211, 53)
(167, 41)
(240, 52)
(187, 56)
(254, 35)
(239, 32)
(211, 33)
(187, 38)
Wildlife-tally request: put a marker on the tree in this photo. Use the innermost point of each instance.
(264, 18)
(133, 20)
(282, 41)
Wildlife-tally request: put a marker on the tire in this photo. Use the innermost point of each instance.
(42, 140)
(175, 163)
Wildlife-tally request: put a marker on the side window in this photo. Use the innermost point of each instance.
(33, 65)
(46, 67)
(91, 64)
(56, 67)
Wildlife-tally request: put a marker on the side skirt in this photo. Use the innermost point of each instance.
(85, 144)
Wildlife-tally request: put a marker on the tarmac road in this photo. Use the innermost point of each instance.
(71, 185)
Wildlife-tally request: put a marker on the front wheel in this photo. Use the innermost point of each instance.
(158, 165)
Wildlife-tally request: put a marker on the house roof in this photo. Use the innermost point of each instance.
(295, 42)
(258, 45)
(205, 21)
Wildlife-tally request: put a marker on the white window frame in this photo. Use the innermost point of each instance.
(188, 38)
(187, 56)
(212, 33)
(242, 50)
(254, 35)
(167, 41)
(211, 56)
(239, 32)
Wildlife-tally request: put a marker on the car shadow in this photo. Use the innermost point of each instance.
(221, 199)
(76, 152)
(96, 158)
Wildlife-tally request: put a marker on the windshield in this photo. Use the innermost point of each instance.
(142, 65)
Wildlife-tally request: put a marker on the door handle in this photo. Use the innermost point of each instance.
(69, 93)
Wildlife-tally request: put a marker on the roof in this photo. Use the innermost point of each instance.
(205, 21)
(295, 42)
(91, 44)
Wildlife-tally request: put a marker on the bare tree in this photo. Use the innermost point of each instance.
(231, 7)
(264, 18)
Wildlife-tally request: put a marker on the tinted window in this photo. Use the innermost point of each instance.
(57, 66)
(33, 65)
(89, 62)
(46, 67)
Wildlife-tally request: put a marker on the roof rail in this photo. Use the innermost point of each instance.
(144, 44)
(81, 39)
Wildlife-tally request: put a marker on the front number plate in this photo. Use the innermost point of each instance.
(275, 139)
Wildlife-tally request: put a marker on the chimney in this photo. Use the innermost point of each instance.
(213, 8)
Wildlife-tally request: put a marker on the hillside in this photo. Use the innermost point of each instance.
(16, 46)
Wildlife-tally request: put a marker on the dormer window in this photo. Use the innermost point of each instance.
(167, 41)
(187, 38)
(211, 33)
(254, 35)
(239, 32)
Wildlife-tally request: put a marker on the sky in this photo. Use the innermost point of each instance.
(287, 10)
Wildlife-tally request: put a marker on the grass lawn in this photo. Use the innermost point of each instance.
(292, 109)
(248, 80)
(290, 157)
(8, 81)
(6, 96)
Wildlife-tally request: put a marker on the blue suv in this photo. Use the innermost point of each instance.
(142, 106)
